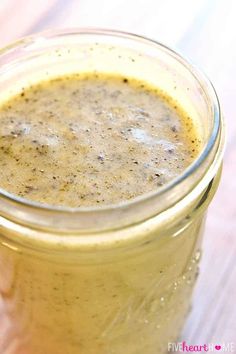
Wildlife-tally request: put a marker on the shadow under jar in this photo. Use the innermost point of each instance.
(112, 279)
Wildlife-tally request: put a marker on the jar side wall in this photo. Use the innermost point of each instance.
(94, 305)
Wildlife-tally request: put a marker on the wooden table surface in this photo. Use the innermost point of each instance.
(205, 32)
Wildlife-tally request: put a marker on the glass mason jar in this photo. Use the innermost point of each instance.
(113, 279)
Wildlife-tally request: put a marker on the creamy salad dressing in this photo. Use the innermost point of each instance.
(92, 139)
(114, 280)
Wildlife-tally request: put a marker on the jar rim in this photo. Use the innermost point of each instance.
(160, 192)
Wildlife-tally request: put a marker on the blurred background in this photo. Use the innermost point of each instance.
(205, 32)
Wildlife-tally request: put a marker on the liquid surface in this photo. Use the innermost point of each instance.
(88, 140)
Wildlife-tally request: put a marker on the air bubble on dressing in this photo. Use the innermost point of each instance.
(142, 136)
